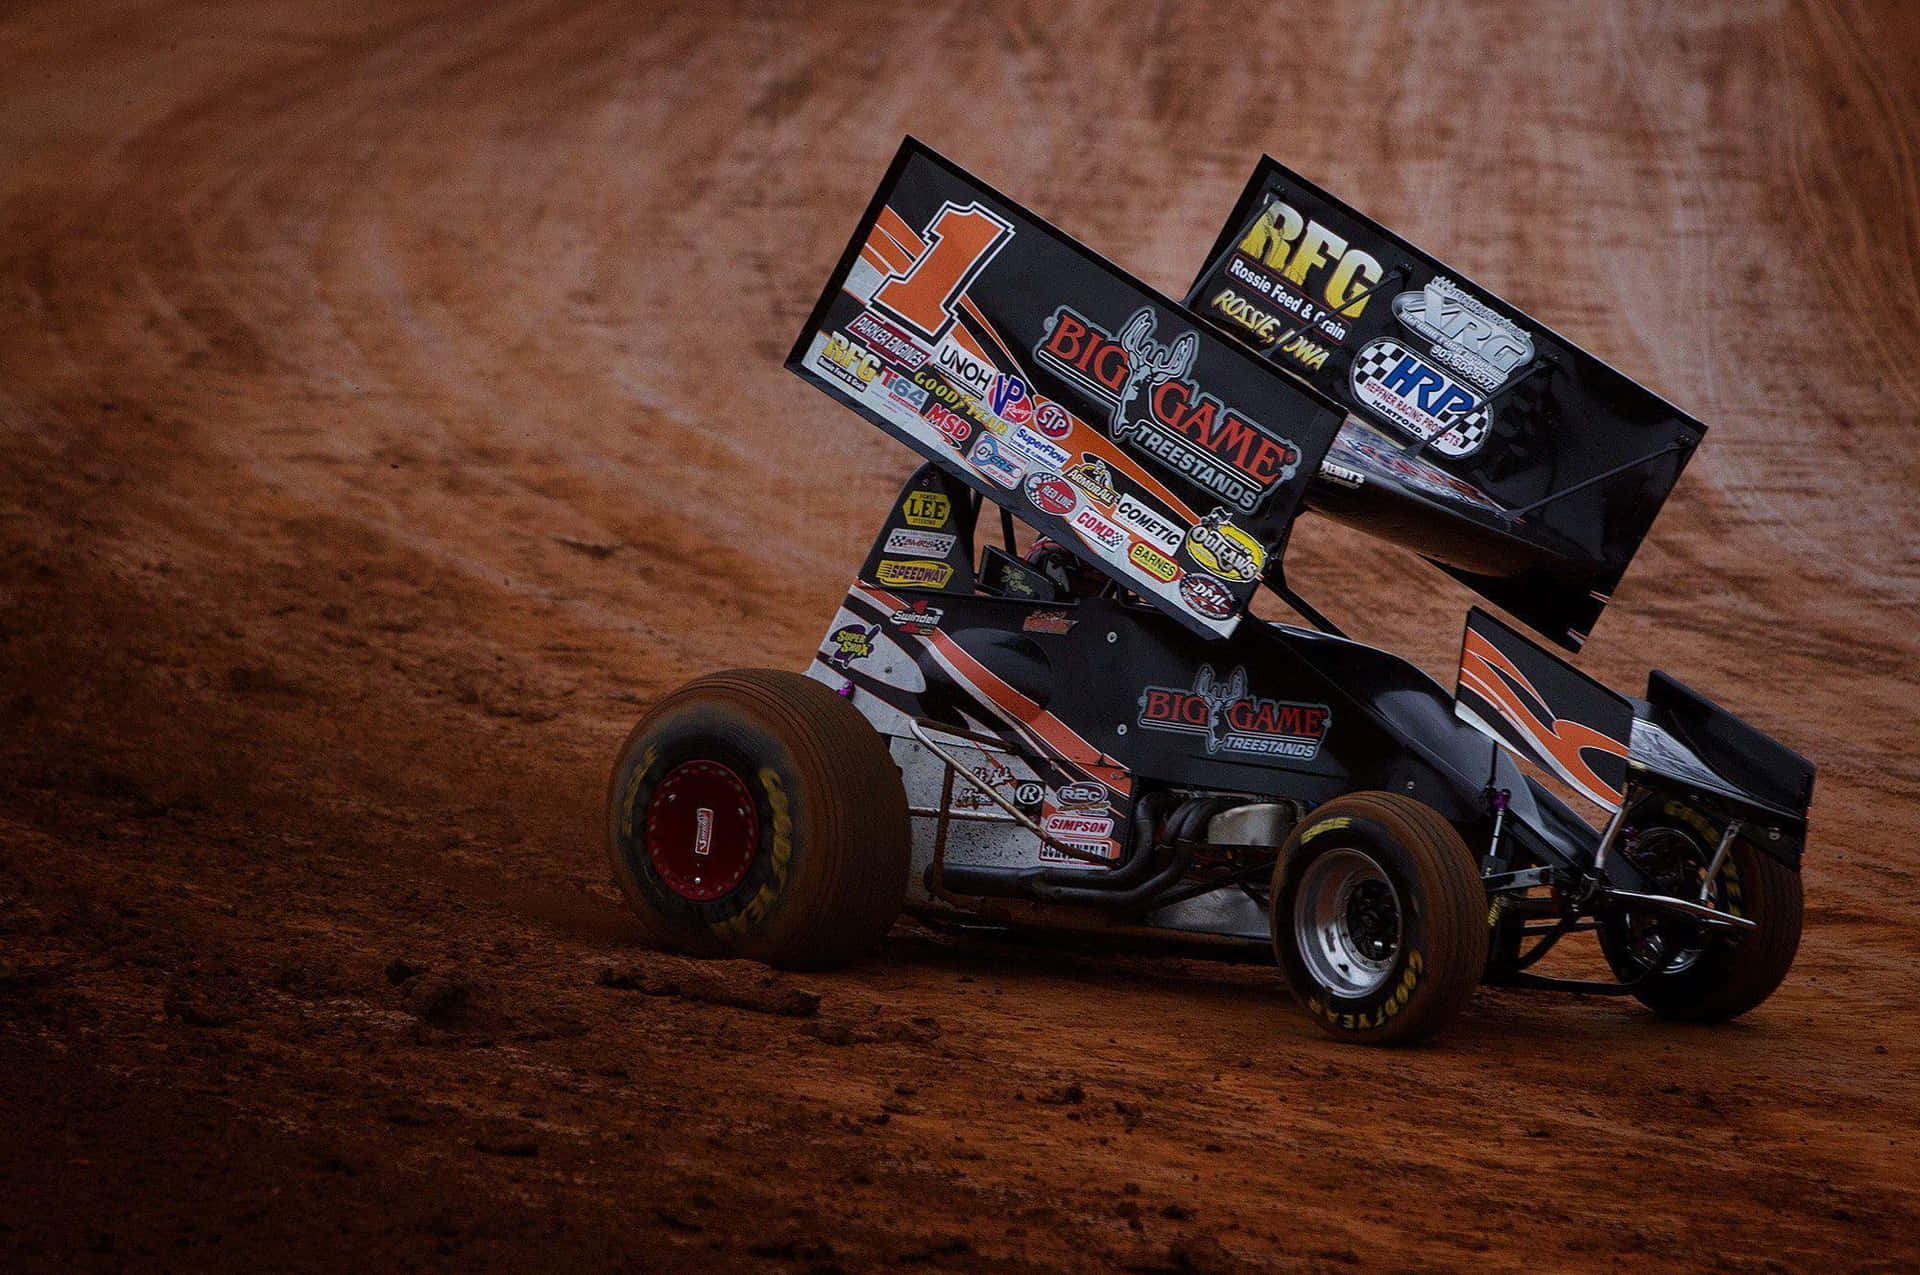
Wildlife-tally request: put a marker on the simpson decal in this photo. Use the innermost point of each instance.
(1073, 826)
(1161, 412)
(1225, 550)
(1407, 392)
(913, 574)
(1234, 721)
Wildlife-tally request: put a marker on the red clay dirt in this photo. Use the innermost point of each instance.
(392, 409)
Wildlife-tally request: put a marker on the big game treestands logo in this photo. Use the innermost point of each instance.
(1234, 721)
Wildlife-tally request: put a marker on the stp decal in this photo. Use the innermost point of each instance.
(1234, 721)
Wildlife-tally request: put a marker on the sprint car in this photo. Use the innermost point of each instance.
(1046, 702)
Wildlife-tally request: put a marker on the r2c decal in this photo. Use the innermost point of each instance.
(961, 240)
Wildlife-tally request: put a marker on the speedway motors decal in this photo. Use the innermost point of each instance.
(1057, 386)
(1525, 466)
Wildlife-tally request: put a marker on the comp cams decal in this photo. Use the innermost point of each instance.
(1161, 412)
(1234, 721)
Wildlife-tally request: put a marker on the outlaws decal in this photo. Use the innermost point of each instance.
(1225, 550)
(1464, 334)
(1161, 411)
(1234, 721)
(1407, 392)
(934, 544)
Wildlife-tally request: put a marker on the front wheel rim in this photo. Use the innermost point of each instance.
(703, 830)
(1347, 923)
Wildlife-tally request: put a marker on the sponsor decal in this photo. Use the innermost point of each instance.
(1038, 449)
(1162, 411)
(1148, 521)
(1075, 826)
(1224, 549)
(927, 509)
(1264, 327)
(1052, 420)
(1464, 334)
(992, 772)
(953, 427)
(1030, 793)
(851, 642)
(934, 544)
(1300, 266)
(963, 369)
(849, 361)
(1082, 794)
(1234, 721)
(1011, 399)
(1206, 596)
(902, 390)
(1098, 529)
(1153, 562)
(957, 401)
(1374, 448)
(991, 459)
(1051, 494)
(1092, 476)
(1342, 475)
(1056, 623)
(914, 573)
(918, 619)
(891, 342)
(1017, 583)
(1407, 392)
(703, 830)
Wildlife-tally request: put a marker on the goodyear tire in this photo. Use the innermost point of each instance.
(756, 813)
(1704, 977)
(1378, 919)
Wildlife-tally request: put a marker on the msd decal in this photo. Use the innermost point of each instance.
(1234, 721)
(1407, 392)
(1162, 411)
(953, 427)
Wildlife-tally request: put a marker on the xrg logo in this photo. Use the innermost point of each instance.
(1234, 721)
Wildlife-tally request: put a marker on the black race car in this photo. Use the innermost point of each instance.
(1067, 717)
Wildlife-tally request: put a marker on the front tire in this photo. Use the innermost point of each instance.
(756, 813)
(1703, 976)
(1378, 919)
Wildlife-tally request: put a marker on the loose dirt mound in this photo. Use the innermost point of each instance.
(391, 406)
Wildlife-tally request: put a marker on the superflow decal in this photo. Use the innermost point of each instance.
(1162, 411)
(1493, 689)
(1234, 721)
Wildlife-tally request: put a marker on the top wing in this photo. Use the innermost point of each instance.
(1066, 391)
(1508, 456)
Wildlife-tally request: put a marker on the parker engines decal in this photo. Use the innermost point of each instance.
(1061, 388)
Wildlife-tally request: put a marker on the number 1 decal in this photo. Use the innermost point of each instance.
(961, 240)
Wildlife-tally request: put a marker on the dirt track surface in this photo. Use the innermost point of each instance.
(392, 409)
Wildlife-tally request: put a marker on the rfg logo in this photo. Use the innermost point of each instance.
(965, 371)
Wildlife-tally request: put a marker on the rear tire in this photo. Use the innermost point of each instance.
(1710, 976)
(756, 813)
(1378, 919)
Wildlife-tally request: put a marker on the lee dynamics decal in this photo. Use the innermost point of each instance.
(1234, 721)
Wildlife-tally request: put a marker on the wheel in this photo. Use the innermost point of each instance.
(1686, 972)
(1378, 919)
(756, 813)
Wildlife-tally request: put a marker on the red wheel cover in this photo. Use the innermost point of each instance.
(702, 830)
